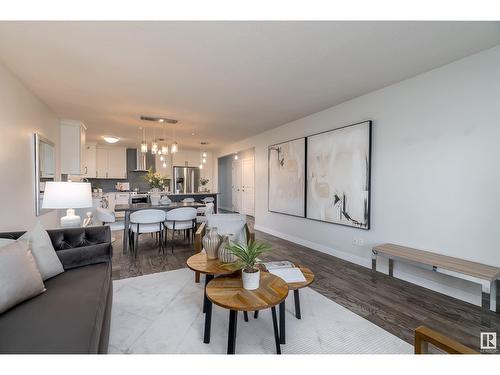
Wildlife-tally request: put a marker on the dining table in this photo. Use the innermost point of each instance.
(133, 207)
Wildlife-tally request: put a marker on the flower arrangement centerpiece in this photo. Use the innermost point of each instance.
(203, 182)
(156, 181)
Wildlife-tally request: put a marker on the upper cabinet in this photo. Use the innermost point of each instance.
(73, 147)
(111, 162)
(90, 162)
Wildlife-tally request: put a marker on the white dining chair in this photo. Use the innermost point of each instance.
(202, 210)
(147, 221)
(208, 210)
(188, 200)
(180, 219)
(108, 217)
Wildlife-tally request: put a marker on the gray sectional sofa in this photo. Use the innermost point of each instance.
(73, 315)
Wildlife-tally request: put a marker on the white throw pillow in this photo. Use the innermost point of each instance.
(5, 241)
(45, 256)
(19, 275)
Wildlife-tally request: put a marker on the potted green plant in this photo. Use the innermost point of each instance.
(248, 255)
(157, 183)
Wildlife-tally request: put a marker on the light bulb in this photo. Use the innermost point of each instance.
(144, 147)
(154, 148)
(174, 148)
(201, 166)
(162, 158)
(164, 150)
(204, 160)
(164, 165)
(236, 157)
(204, 154)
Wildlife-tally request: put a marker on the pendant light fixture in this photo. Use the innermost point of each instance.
(174, 147)
(154, 144)
(164, 147)
(236, 156)
(144, 144)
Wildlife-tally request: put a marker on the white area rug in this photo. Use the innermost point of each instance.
(161, 313)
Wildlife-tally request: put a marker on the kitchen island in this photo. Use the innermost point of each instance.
(197, 197)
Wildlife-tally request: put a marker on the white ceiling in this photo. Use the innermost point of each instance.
(222, 80)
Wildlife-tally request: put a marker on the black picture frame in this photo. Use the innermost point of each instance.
(369, 123)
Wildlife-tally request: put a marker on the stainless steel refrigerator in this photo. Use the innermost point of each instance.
(186, 180)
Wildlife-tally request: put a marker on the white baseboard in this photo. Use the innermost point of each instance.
(442, 285)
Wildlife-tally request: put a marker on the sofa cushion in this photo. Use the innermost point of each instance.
(40, 245)
(67, 318)
(19, 275)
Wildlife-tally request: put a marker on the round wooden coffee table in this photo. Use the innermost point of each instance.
(211, 268)
(228, 292)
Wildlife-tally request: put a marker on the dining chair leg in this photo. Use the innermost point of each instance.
(256, 314)
(136, 245)
(276, 332)
(245, 316)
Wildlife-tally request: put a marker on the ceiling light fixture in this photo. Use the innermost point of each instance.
(159, 119)
(235, 156)
(110, 139)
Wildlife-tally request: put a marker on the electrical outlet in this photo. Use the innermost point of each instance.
(358, 242)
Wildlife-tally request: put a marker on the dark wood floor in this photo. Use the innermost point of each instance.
(395, 305)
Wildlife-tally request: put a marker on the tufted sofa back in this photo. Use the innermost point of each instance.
(77, 247)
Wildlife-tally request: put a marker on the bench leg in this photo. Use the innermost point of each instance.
(391, 267)
(485, 306)
(374, 261)
(494, 296)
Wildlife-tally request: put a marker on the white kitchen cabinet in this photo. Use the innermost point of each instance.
(73, 134)
(111, 162)
(90, 162)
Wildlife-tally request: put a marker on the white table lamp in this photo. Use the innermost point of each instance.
(67, 195)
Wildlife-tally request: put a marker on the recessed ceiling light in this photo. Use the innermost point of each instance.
(111, 139)
(193, 133)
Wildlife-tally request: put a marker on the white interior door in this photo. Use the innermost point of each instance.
(247, 187)
(236, 186)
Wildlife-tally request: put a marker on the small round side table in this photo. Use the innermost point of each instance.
(228, 292)
(211, 268)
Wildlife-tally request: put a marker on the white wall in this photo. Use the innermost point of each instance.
(22, 114)
(435, 174)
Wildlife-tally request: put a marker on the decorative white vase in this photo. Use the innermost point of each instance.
(211, 242)
(155, 196)
(251, 280)
(225, 255)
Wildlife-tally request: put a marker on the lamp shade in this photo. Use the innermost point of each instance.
(67, 195)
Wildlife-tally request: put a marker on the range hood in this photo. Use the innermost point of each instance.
(138, 161)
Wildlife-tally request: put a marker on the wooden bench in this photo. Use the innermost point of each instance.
(425, 336)
(476, 272)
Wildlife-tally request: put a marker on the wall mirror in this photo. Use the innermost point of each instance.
(45, 168)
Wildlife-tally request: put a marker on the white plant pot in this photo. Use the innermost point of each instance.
(250, 280)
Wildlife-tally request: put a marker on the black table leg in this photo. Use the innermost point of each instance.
(231, 337)
(208, 322)
(256, 314)
(297, 303)
(282, 323)
(276, 333)
(205, 299)
(245, 316)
